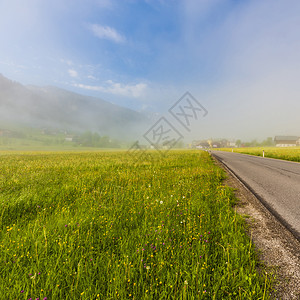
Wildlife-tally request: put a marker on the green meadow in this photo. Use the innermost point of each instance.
(285, 153)
(103, 225)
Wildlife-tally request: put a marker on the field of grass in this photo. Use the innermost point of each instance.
(287, 153)
(101, 226)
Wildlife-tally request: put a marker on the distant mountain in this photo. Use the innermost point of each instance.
(52, 107)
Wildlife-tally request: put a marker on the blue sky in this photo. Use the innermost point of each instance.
(240, 59)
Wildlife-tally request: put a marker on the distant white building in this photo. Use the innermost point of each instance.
(232, 144)
(286, 141)
(69, 139)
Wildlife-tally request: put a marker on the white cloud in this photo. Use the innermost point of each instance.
(92, 77)
(106, 32)
(73, 73)
(13, 64)
(127, 90)
(66, 61)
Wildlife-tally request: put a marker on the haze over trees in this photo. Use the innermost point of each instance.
(59, 110)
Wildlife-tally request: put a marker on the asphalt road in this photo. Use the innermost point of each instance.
(275, 182)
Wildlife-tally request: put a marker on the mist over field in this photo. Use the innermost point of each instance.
(240, 60)
(94, 94)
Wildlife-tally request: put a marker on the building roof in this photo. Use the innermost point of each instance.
(286, 138)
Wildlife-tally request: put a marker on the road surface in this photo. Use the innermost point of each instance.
(275, 182)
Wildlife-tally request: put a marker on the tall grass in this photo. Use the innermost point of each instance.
(99, 226)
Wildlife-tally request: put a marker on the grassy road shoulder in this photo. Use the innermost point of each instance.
(287, 153)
